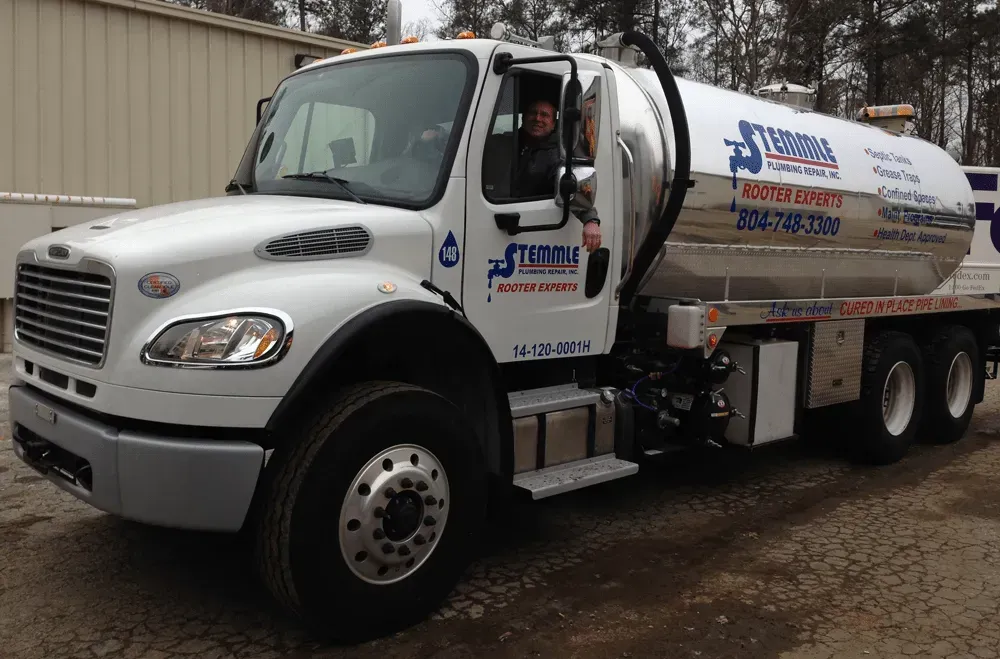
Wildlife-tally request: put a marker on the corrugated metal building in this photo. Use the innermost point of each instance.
(129, 99)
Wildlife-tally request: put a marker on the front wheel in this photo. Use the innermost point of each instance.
(372, 516)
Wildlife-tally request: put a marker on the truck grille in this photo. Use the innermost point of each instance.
(63, 312)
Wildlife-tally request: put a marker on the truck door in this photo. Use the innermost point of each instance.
(528, 293)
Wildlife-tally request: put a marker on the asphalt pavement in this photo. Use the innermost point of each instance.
(791, 552)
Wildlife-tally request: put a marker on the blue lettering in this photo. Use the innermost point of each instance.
(790, 142)
(763, 136)
(986, 212)
(747, 154)
(503, 267)
(775, 140)
(828, 151)
(586, 346)
(752, 161)
(806, 146)
(982, 182)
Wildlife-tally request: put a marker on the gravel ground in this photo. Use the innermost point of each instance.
(790, 552)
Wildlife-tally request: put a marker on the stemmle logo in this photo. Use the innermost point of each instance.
(525, 259)
(780, 145)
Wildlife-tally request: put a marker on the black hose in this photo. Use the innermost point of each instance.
(664, 224)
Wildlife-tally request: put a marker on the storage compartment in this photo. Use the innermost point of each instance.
(766, 394)
(561, 436)
(834, 368)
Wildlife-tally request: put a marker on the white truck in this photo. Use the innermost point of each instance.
(372, 339)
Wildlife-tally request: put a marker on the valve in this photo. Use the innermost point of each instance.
(663, 419)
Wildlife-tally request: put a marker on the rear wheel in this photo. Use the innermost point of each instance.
(951, 356)
(892, 391)
(372, 516)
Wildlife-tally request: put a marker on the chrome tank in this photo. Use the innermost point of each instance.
(851, 210)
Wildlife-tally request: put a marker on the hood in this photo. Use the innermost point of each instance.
(215, 227)
(204, 240)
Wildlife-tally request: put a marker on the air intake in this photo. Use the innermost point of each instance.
(332, 243)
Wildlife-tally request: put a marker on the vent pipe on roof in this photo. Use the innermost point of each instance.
(394, 22)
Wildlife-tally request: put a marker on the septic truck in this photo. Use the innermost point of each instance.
(375, 339)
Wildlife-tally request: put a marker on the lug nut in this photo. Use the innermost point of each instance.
(406, 483)
(379, 512)
(430, 500)
(378, 534)
(419, 540)
(387, 548)
(390, 493)
(430, 521)
(421, 486)
(404, 551)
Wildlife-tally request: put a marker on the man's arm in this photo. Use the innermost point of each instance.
(591, 222)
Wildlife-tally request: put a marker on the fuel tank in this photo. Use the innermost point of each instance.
(787, 203)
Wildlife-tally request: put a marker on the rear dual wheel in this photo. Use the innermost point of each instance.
(910, 392)
(892, 393)
(952, 357)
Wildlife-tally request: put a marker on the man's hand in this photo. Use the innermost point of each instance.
(591, 236)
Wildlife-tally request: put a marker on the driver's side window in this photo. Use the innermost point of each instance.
(521, 152)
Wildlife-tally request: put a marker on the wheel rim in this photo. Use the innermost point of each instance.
(394, 514)
(959, 389)
(898, 398)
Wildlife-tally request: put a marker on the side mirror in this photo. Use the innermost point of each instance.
(260, 107)
(577, 182)
(583, 179)
(583, 101)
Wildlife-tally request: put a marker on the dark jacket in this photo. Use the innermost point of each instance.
(538, 171)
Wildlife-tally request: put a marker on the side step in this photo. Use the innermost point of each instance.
(574, 475)
(549, 399)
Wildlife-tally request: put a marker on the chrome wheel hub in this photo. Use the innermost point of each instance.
(899, 398)
(394, 513)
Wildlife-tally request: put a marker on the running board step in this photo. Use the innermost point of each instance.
(550, 399)
(574, 475)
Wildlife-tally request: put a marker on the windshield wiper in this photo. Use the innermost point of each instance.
(323, 176)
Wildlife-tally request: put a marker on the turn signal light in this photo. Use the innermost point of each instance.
(468, 34)
(713, 340)
(713, 315)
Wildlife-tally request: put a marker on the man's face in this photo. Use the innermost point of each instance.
(540, 119)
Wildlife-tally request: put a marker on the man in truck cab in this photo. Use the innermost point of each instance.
(536, 168)
(538, 164)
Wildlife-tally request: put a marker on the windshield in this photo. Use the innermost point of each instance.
(376, 130)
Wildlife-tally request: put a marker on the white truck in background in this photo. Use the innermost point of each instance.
(372, 339)
(979, 273)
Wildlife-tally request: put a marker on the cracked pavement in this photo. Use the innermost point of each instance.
(791, 552)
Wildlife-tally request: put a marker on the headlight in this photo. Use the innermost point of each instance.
(222, 341)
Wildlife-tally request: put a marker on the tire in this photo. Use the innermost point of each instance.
(952, 357)
(329, 515)
(892, 368)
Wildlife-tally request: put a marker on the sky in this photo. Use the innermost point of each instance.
(414, 10)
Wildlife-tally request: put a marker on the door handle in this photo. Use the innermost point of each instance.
(508, 222)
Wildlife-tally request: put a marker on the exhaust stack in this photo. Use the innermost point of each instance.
(394, 22)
